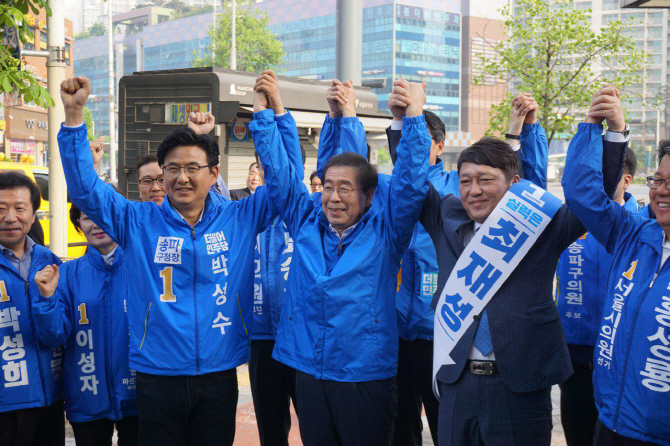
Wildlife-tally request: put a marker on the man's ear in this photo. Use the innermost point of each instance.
(215, 174)
(516, 179)
(627, 180)
(440, 148)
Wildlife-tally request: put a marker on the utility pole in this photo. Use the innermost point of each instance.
(233, 40)
(112, 100)
(348, 40)
(55, 76)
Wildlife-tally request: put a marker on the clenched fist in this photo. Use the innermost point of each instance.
(201, 123)
(47, 280)
(74, 94)
(268, 83)
(417, 97)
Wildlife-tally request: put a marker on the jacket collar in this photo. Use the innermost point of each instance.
(630, 203)
(455, 222)
(96, 259)
(436, 170)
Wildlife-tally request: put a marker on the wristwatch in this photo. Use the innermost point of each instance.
(625, 132)
(510, 136)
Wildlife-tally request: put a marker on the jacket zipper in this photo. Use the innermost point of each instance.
(37, 351)
(107, 341)
(146, 319)
(195, 302)
(630, 342)
(237, 297)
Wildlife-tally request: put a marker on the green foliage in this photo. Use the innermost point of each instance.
(257, 48)
(383, 156)
(97, 29)
(13, 78)
(553, 53)
(90, 125)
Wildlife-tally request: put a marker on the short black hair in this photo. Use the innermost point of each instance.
(630, 162)
(663, 149)
(187, 137)
(367, 174)
(146, 159)
(492, 152)
(16, 180)
(435, 125)
(312, 176)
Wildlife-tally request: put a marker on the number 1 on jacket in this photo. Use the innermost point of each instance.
(167, 296)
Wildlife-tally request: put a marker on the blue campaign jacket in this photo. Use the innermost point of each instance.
(88, 315)
(192, 287)
(419, 270)
(338, 320)
(632, 352)
(274, 249)
(582, 279)
(31, 371)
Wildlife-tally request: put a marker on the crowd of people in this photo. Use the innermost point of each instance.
(364, 300)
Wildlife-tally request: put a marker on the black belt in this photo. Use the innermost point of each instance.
(487, 368)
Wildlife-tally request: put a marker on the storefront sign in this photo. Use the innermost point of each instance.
(177, 113)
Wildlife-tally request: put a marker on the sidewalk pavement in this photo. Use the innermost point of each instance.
(247, 432)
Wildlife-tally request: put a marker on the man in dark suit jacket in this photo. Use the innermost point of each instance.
(501, 396)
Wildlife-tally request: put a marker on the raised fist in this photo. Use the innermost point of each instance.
(417, 96)
(74, 92)
(399, 99)
(268, 83)
(47, 280)
(201, 123)
(524, 111)
(606, 105)
(97, 150)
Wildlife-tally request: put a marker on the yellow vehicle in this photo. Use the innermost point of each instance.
(40, 175)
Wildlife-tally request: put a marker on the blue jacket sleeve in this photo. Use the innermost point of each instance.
(52, 315)
(287, 192)
(534, 154)
(288, 130)
(584, 191)
(409, 184)
(337, 136)
(108, 209)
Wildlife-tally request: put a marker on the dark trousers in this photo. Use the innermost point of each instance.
(481, 410)
(578, 406)
(605, 437)
(272, 388)
(38, 426)
(335, 413)
(100, 432)
(415, 388)
(187, 410)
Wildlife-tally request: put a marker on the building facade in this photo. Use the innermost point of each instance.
(415, 39)
(24, 126)
(149, 42)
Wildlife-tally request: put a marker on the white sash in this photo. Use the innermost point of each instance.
(495, 250)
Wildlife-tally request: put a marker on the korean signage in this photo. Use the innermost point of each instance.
(417, 13)
(177, 112)
(22, 147)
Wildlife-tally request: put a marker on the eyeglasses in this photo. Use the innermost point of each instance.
(655, 182)
(146, 183)
(342, 192)
(191, 171)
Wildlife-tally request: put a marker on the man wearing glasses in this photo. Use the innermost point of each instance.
(150, 183)
(632, 349)
(191, 269)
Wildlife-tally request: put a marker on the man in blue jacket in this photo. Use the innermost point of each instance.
(85, 311)
(581, 292)
(273, 383)
(191, 263)
(496, 388)
(31, 401)
(338, 327)
(632, 350)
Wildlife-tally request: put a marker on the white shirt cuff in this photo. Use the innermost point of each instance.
(616, 137)
(396, 125)
(515, 147)
(73, 126)
(280, 114)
